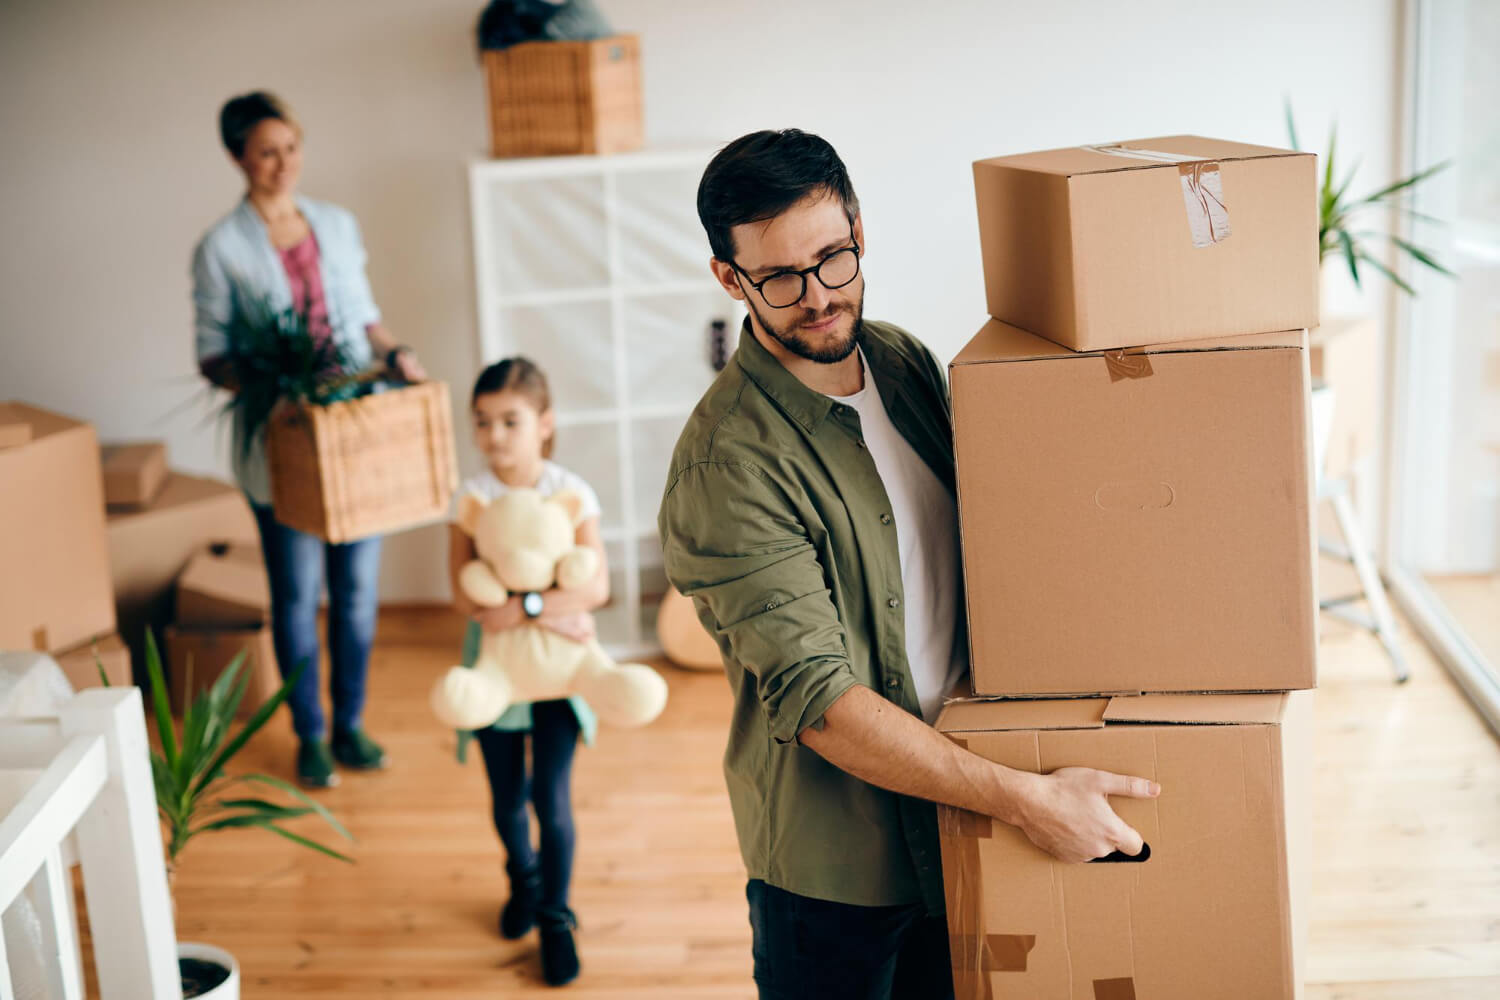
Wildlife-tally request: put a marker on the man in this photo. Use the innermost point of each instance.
(810, 513)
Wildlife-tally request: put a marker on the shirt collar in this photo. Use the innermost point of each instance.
(806, 406)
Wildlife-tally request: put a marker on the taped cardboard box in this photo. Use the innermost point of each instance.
(1215, 907)
(1150, 241)
(82, 667)
(134, 473)
(224, 586)
(1345, 353)
(55, 584)
(196, 658)
(14, 431)
(1135, 521)
(151, 546)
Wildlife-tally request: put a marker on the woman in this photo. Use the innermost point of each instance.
(279, 249)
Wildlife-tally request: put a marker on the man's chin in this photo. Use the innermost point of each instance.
(829, 348)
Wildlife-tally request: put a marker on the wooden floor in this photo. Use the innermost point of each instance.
(1406, 891)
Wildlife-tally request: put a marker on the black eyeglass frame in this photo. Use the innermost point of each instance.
(816, 271)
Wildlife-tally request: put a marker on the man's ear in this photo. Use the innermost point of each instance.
(727, 277)
(859, 233)
(470, 506)
(571, 502)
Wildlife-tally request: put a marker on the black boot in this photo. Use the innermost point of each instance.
(519, 913)
(559, 955)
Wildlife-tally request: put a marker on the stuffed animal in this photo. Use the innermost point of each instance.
(526, 543)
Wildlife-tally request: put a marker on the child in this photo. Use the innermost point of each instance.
(513, 429)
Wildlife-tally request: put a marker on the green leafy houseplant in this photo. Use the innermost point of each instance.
(1338, 211)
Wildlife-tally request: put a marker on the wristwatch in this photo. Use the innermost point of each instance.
(531, 603)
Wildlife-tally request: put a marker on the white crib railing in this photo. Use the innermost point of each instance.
(94, 784)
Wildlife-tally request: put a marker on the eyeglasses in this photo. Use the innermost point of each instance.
(786, 288)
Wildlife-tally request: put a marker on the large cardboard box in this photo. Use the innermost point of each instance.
(82, 662)
(196, 658)
(151, 546)
(54, 558)
(1345, 353)
(1135, 521)
(134, 473)
(1150, 241)
(224, 586)
(1214, 908)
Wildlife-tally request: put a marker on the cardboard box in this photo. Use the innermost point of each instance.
(1150, 241)
(1135, 521)
(82, 669)
(1217, 906)
(54, 558)
(14, 431)
(1345, 353)
(224, 586)
(150, 547)
(196, 658)
(134, 473)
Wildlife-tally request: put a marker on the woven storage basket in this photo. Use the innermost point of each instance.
(366, 467)
(563, 98)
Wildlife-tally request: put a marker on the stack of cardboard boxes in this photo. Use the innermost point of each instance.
(1135, 496)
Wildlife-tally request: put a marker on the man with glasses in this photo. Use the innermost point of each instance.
(810, 513)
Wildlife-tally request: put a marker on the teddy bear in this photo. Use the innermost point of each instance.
(525, 543)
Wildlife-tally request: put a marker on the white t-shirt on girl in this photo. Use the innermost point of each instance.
(554, 479)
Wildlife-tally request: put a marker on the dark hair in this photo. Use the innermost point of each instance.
(760, 175)
(521, 375)
(239, 116)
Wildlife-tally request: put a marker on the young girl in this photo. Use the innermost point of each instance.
(513, 429)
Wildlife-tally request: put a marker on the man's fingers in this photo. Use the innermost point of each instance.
(1131, 787)
(1128, 841)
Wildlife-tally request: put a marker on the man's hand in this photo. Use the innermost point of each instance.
(1067, 813)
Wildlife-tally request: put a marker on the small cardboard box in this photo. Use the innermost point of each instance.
(54, 558)
(14, 431)
(149, 547)
(224, 586)
(82, 669)
(1215, 908)
(1138, 521)
(1345, 353)
(1150, 241)
(134, 473)
(196, 658)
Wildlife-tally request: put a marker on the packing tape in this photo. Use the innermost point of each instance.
(1202, 190)
(39, 641)
(1122, 365)
(1114, 989)
(999, 952)
(961, 891)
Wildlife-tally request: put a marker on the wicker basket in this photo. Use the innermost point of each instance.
(366, 467)
(563, 98)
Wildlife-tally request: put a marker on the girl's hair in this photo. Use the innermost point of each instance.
(517, 374)
(240, 115)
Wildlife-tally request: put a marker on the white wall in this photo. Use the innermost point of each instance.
(112, 167)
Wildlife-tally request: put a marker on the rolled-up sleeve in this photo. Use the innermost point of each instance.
(731, 539)
(213, 304)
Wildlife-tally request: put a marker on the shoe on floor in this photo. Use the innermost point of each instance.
(315, 765)
(519, 914)
(560, 964)
(355, 750)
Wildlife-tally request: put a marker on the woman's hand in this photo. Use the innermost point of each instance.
(501, 616)
(408, 367)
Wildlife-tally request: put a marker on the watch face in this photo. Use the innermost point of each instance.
(532, 604)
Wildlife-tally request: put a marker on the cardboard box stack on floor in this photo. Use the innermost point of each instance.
(1135, 499)
(222, 609)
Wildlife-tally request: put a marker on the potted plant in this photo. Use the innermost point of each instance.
(194, 795)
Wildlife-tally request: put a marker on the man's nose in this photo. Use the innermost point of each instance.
(816, 296)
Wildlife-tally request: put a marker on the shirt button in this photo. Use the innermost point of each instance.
(885, 519)
(861, 442)
(893, 683)
(894, 602)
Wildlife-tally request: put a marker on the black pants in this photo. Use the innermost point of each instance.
(809, 948)
(554, 737)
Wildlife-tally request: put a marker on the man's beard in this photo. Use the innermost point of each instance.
(829, 353)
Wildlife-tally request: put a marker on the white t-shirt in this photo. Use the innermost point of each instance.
(554, 478)
(926, 519)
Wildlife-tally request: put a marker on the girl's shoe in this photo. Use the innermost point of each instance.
(519, 914)
(559, 955)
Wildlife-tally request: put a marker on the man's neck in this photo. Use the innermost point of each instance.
(841, 378)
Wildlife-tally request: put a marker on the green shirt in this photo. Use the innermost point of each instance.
(776, 523)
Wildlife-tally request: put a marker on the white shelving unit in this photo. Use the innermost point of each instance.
(596, 268)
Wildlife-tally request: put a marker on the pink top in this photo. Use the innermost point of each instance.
(306, 281)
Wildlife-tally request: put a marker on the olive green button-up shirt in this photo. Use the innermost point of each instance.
(776, 523)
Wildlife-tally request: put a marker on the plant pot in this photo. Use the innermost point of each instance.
(192, 952)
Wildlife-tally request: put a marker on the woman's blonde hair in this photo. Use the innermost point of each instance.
(239, 116)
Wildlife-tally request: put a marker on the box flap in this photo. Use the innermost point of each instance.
(180, 491)
(980, 715)
(43, 423)
(1198, 709)
(998, 342)
(1088, 159)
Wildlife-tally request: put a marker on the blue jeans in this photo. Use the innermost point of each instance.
(296, 563)
(806, 948)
